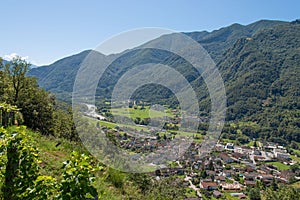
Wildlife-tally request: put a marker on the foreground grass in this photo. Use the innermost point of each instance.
(53, 152)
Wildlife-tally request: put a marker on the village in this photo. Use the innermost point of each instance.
(229, 169)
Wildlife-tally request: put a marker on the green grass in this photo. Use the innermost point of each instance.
(198, 140)
(112, 125)
(296, 151)
(297, 159)
(279, 165)
(190, 192)
(250, 144)
(141, 113)
(236, 165)
(145, 128)
(52, 158)
(107, 124)
(228, 140)
(229, 197)
(296, 185)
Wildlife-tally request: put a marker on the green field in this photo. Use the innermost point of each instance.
(296, 151)
(297, 159)
(113, 125)
(138, 112)
(108, 124)
(279, 165)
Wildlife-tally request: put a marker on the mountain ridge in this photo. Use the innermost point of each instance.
(59, 76)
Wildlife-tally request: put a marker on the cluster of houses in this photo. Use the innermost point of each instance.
(226, 169)
(145, 142)
(232, 169)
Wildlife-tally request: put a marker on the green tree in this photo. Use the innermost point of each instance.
(254, 194)
(166, 188)
(63, 125)
(210, 165)
(284, 192)
(37, 108)
(203, 173)
(45, 187)
(274, 184)
(35, 103)
(16, 72)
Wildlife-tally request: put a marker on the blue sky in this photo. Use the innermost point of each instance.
(45, 31)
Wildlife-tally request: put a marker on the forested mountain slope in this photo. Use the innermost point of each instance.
(59, 76)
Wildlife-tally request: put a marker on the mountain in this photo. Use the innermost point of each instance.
(4, 62)
(59, 76)
(33, 66)
(261, 76)
(218, 41)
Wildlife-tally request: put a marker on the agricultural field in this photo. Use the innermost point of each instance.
(140, 112)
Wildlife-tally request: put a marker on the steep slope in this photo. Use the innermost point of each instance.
(218, 41)
(59, 76)
(261, 75)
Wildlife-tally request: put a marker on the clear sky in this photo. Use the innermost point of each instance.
(45, 31)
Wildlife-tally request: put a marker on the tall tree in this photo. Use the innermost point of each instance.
(16, 72)
(22, 91)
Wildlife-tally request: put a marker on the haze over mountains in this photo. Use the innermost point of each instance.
(259, 64)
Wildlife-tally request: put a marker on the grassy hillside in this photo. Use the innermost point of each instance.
(54, 151)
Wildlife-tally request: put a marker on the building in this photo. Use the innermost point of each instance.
(230, 186)
(217, 194)
(229, 146)
(208, 185)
